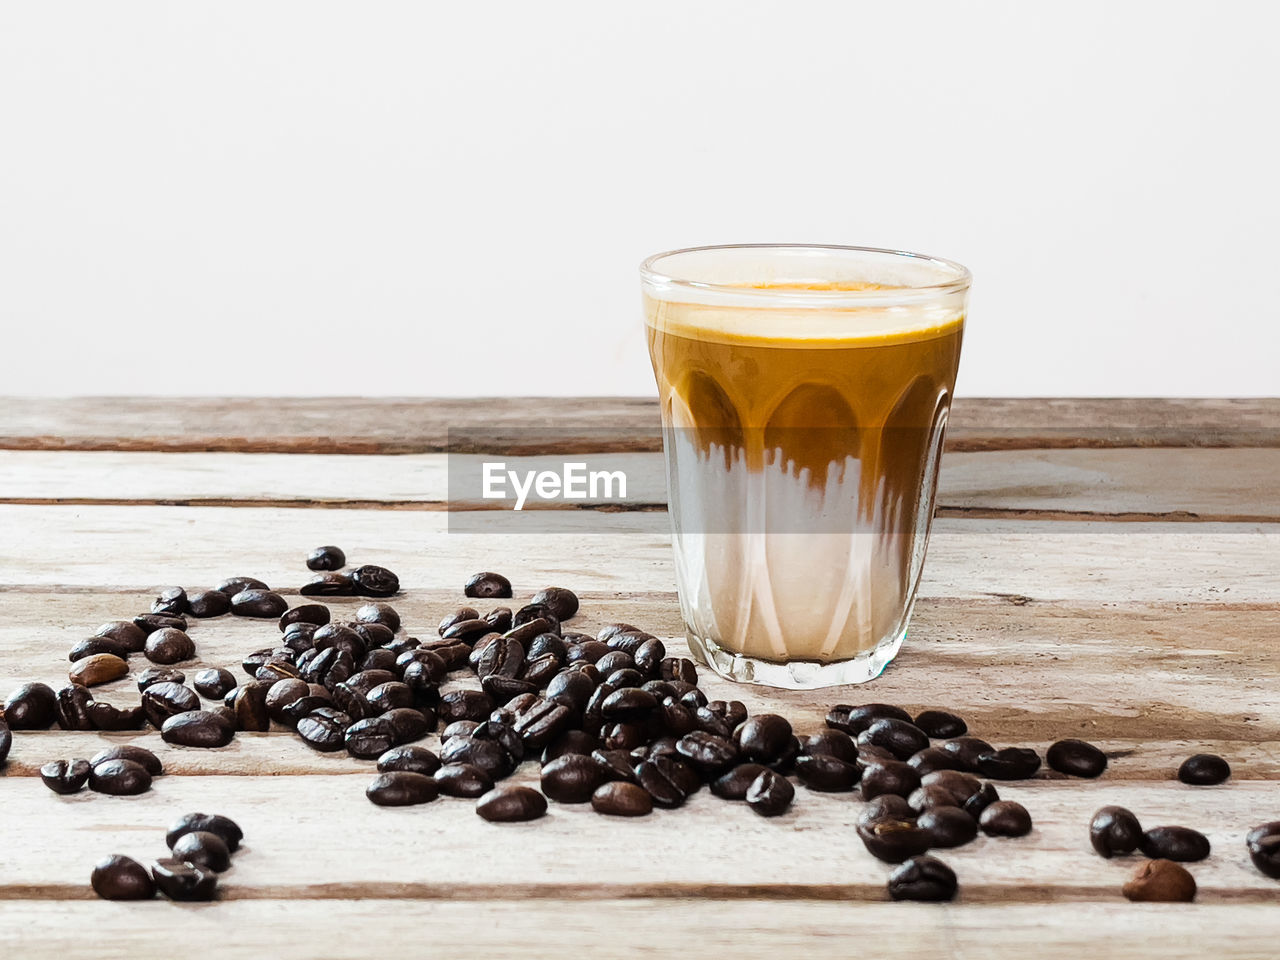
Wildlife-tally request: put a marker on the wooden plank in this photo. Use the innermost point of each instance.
(604, 930)
(615, 552)
(401, 425)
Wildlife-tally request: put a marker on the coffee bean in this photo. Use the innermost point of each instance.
(369, 739)
(541, 721)
(94, 646)
(486, 586)
(166, 646)
(409, 723)
(328, 585)
(390, 695)
(826, 773)
(892, 839)
(887, 806)
(1160, 881)
(532, 613)
(127, 751)
(258, 603)
(616, 763)
(619, 798)
(72, 708)
(770, 794)
(978, 802)
(463, 780)
(613, 661)
(967, 750)
(764, 737)
(213, 683)
(1204, 769)
(1005, 818)
(831, 743)
(465, 705)
(335, 636)
(511, 804)
(402, 788)
(649, 655)
(172, 601)
(179, 880)
(733, 785)
(160, 701)
(900, 737)
(203, 849)
(668, 780)
(1011, 763)
(409, 759)
(941, 725)
(32, 706)
(198, 728)
(1174, 843)
(153, 675)
(281, 694)
(572, 778)
(374, 581)
(563, 603)
(149, 623)
(628, 705)
(328, 667)
(1263, 844)
(216, 824)
(124, 632)
(458, 616)
(119, 778)
(315, 614)
(248, 702)
(947, 826)
(1076, 758)
(105, 716)
(678, 668)
(931, 758)
(62, 776)
(890, 776)
(853, 720)
(932, 797)
(233, 585)
(570, 742)
(121, 878)
(326, 558)
(1114, 831)
(955, 785)
(707, 751)
(926, 879)
(208, 603)
(323, 729)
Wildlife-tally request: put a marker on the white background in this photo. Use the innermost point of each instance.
(452, 198)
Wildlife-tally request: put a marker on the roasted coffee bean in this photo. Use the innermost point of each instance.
(892, 840)
(533, 612)
(352, 702)
(463, 780)
(486, 586)
(390, 696)
(615, 660)
(72, 708)
(967, 750)
(1005, 818)
(678, 668)
(1114, 831)
(928, 798)
(179, 880)
(213, 683)
(149, 623)
(459, 728)
(326, 558)
(410, 723)
(203, 849)
(957, 785)
(118, 877)
(548, 644)
(853, 720)
(500, 618)
(763, 738)
(618, 798)
(336, 636)
(830, 743)
(628, 705)
(501, 658)
(167, 646)
(732, 712)
(985, 796)
(465, 705)
(572, 778)
(541, 722)
(160, 701)
(770, 794)
(1011, 763)
(315, 614)
(826, 773)
(941, 725)
(93, 646)
(254, 661)
(649, 656)
(63, 776)
(487, 755)
(667, 781)
(1160, 881)
(127, 751)
(383, 659)
(707, 751)
(328, 667)
(374, 581)
(887, 806)
(733, 784)
(616, 763)
(402, 788)
(947, 826)
(258, 603)
(119, 778)
(379, 613)
(511, 804)
(233, 585)
(869, 753)
(281, 694)
(370, 738)
(323, 728)
(902, 738)
(924, 878)
(1204, 769)
(562, 602)
(304, 706)
(622, 736)
(216, 824)
(1076, 758)
(676, 718)
(570, 742)
(124, 632)
(172, 601)
(153, 675)
(1263, 844)
(409, 759)
(248, 702)
(32, 706)
(588, 651)
(931, 758)
(198, 728)
(627, 643)
(208, 603)
(328, 585)
(1174, 843)
(540, 670)
(107, 717)
(612, 629)
(891, 776)
(458, 616)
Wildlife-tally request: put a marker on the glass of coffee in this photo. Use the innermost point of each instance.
(804, 393)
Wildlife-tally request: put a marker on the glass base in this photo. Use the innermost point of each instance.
(797, 674)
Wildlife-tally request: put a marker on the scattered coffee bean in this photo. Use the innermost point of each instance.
(887, 806)
(1204, 770)
(890, 776)
(1005, 818)
(197, 728)
(1174, 843)
(374, 581)
(572, 778)
(370, 738)
(923, 878)
(220, 826)
(106, 716)
(764, 737)
(315, 614)
(124, 632)
(1076, 758)
(328, 585)
(931, 758)
(160, 701)
(258, 603)
(96, 645)
(127, 751)
(208, 603)
(1011, 763)
(1114, 831)
(149, 623)
(214, 683)
(1263, 844)
(65, 777)
(826, 773)
(323, 728)
(770, 794)
(248, 703)
(941, 725)
(967, 750)
(947, 826)
(179, 880)
(98, 669)
(33, 706)
(708, 752)
(326, 558)
(380, 613)
(121, 878)
(166, 646)
(119, 778)
(409, 759)
(734, 784)
(853, 720)
(900, 737)
(1160, 881)
(73, 708)
(487, 586)
(892, 839)
(203, 849)
(172, 601)
(511, 804)
(977, 802)
(563, 603)
(402, 788)
(153, 675)
(619, 798)
(463, 780)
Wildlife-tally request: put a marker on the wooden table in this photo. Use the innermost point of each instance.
(1102, 569)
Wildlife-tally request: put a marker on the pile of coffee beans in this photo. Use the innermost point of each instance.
(200, 848)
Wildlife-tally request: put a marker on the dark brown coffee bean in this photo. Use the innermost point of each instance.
(1160, 881)
(107, 717)
(380, 613)
(248, 702)
(463, 780)
(826, 773)
(198, 728)
(374, 581)
(124, 632)
(465, 705)
(32, 706)
(708, 752)
(1076, 758)
(891, 776)
(1011, 763)
(562, 602)
(409, 759)
(985, 796)
(1204, 769)
(1263, 844)
(941, 725)
(203, 849)
(370, 738)
(281, 694)
(402, 788)
(900, 737)
(153, 675)
(149, 623)
(967, 750)
(617, 764)
(926, 879)
(1005, 818)
(511, 804)
(93, 646)
(315, 614)
(572, 778)
(208, 603)
(931, 759)
(628, 705)
(73, 706)
(887, 806)
(160, 701)
(390, 696)
(326, 558)
(678, 668)
(487, 755)
(328, 585)
(764, 737)
(118, 877)
(831, 743)
(182, 881)
(570, 742)
(666, 780)
(892, 840)
(733, 785)
(172, 601)
(328, 667)
(932, 797)
(619, 798)
(65, 776)
(770, 794)
(233, 585)
(410, 723)
(119, 778)
(1114, 831)
(957, 785)
(947, 826)
(853, 720)
(166, 646)
(1174, 843)
(263, 604)
(323, 728)
(533, 612)
(127, 751)
(459, 616)
(213, 683)
(541, 721)
(486, 586)
(220, 826)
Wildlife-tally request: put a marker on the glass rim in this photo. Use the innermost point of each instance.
(958, 282)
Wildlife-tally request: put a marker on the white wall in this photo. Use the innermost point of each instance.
(307, 197)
